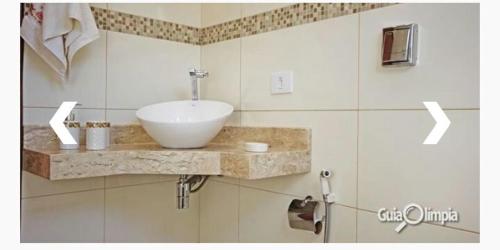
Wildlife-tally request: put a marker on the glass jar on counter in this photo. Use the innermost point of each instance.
(97, 135)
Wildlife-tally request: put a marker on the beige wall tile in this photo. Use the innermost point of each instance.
(234, 119)
(116, 117)
(74, 217)
(395, 168)
(99, 5)
(448, 68)
(333, 147)
(324, 66)
(183, 13)
(219, 204)
(342, 224)
(370, 229)
(144, 70)
(42, 116)
(225, 179)
(249, 9)
(33, 185)
(134, 179)
(215, 13)
(121, 116)
(147, 213)
(86, 84)
(222, 61)
(263, 219)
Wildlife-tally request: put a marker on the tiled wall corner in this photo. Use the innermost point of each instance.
(250, 9)
(222, 61)
(129, 71)
(144, 70)
(216, 13)
(147, 213)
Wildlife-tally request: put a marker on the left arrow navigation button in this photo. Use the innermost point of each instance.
(57, 122)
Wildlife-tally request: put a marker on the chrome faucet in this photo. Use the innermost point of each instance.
(196, 74)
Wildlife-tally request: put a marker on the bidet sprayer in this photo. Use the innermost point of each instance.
(328, 196)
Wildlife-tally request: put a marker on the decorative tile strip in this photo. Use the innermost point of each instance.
(144, 26)
(289, 16)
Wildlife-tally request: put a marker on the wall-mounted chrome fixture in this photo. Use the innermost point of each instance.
(196, 74)
(187, 185)
(304, 214)
(400, 45)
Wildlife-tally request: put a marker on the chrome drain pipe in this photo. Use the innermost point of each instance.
(187, 185)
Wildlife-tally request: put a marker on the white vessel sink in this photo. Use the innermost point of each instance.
(184, 124)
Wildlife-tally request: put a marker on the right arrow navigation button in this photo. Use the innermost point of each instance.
(442, 123)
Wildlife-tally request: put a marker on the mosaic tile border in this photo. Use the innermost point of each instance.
(289, 16)
(144, 26)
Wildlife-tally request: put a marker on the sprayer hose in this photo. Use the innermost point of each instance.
(326, 237)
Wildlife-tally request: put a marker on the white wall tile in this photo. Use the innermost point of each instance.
(370, 229)
(342, 224)
(74, 217)
(148, 213)
(121, 116)
(333, 147)
(395, 168)
(448, 67)
(144, 70)
(33, 185)
(219, 204)
(324, 66)
(134, 179)
(42, 116)
(222, 61)
(234, 119)
(86, 85)
(264, 219)
(183, 13)
(225, 179)
(99, 5)
(216, 13)
(249, 9)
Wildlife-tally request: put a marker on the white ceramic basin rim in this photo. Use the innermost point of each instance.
(184, 124)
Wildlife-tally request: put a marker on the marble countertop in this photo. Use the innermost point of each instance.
(133, 152)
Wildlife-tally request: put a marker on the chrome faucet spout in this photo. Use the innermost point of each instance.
(196, 74)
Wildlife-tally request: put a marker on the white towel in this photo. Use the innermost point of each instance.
(56, 31)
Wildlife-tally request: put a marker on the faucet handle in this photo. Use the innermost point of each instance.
(198, 72)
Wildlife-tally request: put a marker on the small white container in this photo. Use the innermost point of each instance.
(256, 147)
(97, 135)
(74, 129)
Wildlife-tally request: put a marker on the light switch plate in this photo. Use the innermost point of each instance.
(282, 82)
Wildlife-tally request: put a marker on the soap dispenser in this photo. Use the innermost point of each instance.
(73, 126)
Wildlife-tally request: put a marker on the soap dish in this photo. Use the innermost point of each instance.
(257, 147)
